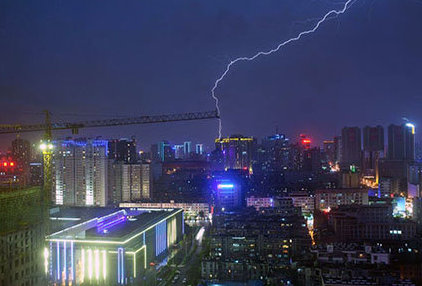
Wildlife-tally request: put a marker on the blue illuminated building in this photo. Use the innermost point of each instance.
(109, 246)
(228, 195)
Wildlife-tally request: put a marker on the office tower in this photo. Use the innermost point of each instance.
(80, 172)
(199, 149)
(401, 142)
(164, 151)
(274, 155)
(351, 147)
(123, 150)
(146, 181)
(187, 146)
(179, 151)
(238, 151)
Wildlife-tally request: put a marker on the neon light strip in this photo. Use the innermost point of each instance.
(134, 265)
(64, 261)
(104, 265)
(83, 264)
(225, 186)
(87, 222)
(114, 242)
(122, 272)
(58, 260)
(90, 263)
(118, 266)
(72, 274)
(97, 263)
(111, 224)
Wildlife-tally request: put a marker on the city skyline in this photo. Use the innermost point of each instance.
(346, 65)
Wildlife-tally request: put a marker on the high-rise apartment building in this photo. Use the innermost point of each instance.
(129, 182)
(401, 142)
(80, 172)
(123, 150)
(351, 147)
(373, 149)
(146, 181)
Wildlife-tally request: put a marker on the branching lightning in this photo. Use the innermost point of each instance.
(327, 16)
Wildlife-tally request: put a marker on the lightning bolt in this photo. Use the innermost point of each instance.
(327, 16)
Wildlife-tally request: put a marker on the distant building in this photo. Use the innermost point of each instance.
(373, 150)
(370, 223)
(351, 147)
(129, 182)
(179, 151)
(199, 149)
(259, 203)
(238, 151)
(165, 151)
(401, 142)
(123, 150)
(146, 181)
(273, 154)
(329, 152)
(80, 173)
(327, 199)
(21, 154)
(187, 145)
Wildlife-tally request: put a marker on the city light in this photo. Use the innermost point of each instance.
(225, 186)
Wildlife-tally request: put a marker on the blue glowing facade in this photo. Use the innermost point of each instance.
(228, 194)
(160, 238)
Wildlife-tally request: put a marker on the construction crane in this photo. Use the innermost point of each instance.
(47, 144)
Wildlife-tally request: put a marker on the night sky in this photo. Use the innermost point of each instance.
(100, 59)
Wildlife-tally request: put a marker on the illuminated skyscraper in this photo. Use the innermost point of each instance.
(80, 172)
